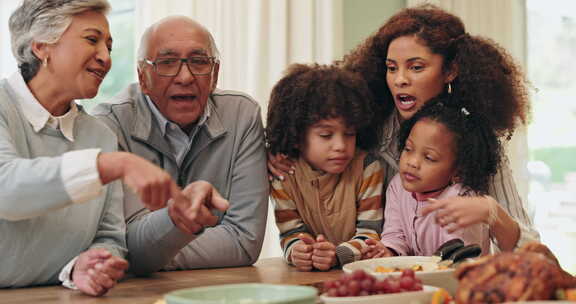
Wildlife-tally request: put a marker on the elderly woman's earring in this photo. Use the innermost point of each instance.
(45, 62)
(449, 88)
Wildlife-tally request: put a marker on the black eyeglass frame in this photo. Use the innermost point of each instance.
(212, 59)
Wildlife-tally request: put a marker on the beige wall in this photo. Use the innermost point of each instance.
(364, 17)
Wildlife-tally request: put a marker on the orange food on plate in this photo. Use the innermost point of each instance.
(383, 269)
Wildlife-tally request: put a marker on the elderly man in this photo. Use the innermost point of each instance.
(176, 118)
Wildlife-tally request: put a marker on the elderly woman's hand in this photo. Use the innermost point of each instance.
(153, 185)
(96, 271)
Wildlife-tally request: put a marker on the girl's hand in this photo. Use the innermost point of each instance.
(374, 250)
(301, 255)
(323, 254)
(279, 165)
(462, 211)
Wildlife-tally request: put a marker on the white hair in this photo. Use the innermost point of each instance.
(44, 21)
(145, 40)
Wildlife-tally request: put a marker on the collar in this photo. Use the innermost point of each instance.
(37, 115)
(448, 191)
(164, 122)
(423, 196)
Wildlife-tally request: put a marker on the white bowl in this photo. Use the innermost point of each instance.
(430, 275)
(423, 296)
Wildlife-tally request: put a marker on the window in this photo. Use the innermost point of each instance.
(552, 132)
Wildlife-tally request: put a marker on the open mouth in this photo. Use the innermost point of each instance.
(99, 73)
(406, 101)
(183, 97)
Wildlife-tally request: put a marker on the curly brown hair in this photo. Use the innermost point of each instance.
(478, 150)
(310, 93)
(488, 81)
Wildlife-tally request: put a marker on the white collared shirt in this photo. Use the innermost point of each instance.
(78, 169)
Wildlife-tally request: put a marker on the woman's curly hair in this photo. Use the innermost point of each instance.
(488, 81)
(477, 146)
(310, 93)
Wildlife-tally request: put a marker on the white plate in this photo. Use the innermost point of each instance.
(430, 275)
(424, 297)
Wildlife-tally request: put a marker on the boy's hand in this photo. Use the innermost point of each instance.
(375, 249)
(301, 255)
(96, 271)
(323, 254)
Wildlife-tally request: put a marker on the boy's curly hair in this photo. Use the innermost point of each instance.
(310, 93)
(488, 81)
(478, 148)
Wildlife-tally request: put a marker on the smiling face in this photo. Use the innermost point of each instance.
(181, 98)
(81, 57)
(428, 160)
(329, 145)
(414, 74)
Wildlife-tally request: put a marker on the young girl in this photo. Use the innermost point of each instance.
(325, 211)
(446, 151)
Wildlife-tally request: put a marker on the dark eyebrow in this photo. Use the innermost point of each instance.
(409, 59)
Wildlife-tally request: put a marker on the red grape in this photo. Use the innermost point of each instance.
(353, 288)
(332, 292)
(359, 275)
(408, 273)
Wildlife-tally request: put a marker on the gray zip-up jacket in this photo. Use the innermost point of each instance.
(228, 151)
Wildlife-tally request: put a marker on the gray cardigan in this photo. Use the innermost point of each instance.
(228, 151)
(41, 230)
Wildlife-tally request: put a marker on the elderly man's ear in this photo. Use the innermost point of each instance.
(145, 82)
(215, 76)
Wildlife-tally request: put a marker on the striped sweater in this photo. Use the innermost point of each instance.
(346, 208)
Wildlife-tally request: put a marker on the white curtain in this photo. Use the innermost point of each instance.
(505, 23)
(257, 40)
(8, 64)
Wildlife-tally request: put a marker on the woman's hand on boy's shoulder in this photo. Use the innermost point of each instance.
(279, 166)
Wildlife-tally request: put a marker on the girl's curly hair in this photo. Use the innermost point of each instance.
(310, 93)
(478, 148)
(488, 81)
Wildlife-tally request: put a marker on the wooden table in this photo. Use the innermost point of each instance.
(150, 289)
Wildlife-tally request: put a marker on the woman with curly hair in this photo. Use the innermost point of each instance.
(445, 151)
(424, 52)
(322, 117)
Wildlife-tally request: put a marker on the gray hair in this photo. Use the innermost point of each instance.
(44, 21)
(145, 40)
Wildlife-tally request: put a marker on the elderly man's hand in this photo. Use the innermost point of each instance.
(193, 213)
(96, 271)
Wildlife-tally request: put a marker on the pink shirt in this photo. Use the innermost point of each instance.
(409, 233)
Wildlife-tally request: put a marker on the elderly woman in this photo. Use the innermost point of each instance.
(61, 218)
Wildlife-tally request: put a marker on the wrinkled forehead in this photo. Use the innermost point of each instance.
(180, 39)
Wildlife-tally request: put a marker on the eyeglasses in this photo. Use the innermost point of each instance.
(197, 65)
